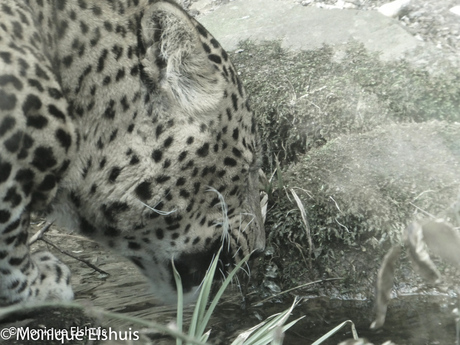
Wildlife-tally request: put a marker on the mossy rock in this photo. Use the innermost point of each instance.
(373, 184)
(303, 99)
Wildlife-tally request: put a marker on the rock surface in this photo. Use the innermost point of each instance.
(300, 27)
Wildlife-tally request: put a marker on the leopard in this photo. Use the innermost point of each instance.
(126, 122)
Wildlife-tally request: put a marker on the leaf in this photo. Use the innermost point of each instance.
(268, 330)
(443, 240)
(419, 255)
(303, 213)
(197, 324)
(384, 285)
(221, 290)
(335, 330)
(180, 301)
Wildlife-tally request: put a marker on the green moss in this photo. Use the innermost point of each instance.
(354, 136)
(304, 99)
(372, 184)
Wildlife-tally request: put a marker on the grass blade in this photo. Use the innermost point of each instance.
(180, 302)
(262, 333)
(221, 290)
(335, 330)
(198, 324)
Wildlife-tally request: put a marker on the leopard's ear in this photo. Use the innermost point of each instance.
(175, 61)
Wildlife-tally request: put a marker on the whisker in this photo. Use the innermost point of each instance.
(250, 222)
(249, 269)
(247, 272)
(236, 253)
(225, 223)
(222, 273)
(162, 213)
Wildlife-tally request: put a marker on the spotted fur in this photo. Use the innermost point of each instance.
(124, 120)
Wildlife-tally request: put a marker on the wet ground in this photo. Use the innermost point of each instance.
(413, 318)
(416, 320)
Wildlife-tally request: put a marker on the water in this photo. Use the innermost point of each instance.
(412, 319)
(417, 319)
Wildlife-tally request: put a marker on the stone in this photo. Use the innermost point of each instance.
(395, 8)
(307, 27)
(455, 10)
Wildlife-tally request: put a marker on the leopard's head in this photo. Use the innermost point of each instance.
(199, 184)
